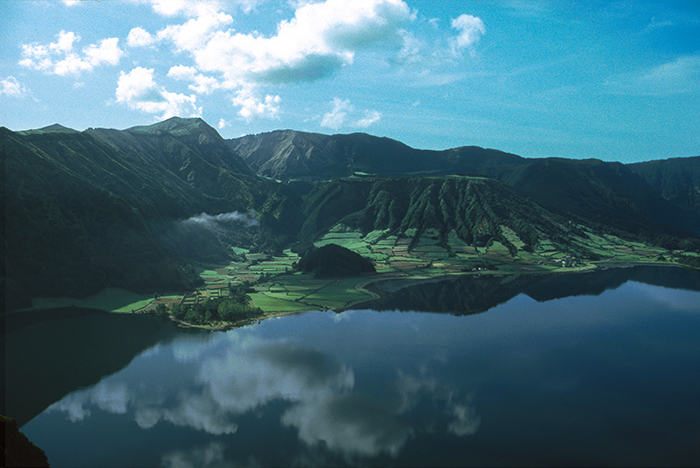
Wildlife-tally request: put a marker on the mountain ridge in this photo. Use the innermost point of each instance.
(590, 189)
(110, 208)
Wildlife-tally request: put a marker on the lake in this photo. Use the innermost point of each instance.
(586, 369)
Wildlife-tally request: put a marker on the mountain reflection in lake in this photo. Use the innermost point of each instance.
(607, 379)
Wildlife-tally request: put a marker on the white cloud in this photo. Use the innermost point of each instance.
(222, 124)
(139, 37)
(11, 87)
(176, 7)
(252, 106)
(680, 76)
(72, 64)
(470, 30)
(182, 72)
(319, 40)
(412, 50)
(65, 42)
(202, 84)
(336, 117)
(35, 56)
(138, 90)
(192, 8)
(194, 34)
(370, 117)
(249, 219)
(58, 57)
(107, 52)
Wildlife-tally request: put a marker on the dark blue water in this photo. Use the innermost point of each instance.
(607, 379)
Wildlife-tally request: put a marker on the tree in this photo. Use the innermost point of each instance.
(161, 309)
(179, 311)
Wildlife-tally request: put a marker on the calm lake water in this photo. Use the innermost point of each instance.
(608, 376)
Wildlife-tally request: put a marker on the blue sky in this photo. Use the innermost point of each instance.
(613, 80)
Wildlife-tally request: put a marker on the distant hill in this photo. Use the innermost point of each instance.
(677, 179)
(612, 194)
(288, 154)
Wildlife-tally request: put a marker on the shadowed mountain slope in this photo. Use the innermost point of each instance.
(288, 154)
(476, 208)
(590, 190)
(677, 179)
(87, 210)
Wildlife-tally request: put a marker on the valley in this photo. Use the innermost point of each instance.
(276, 288)
(172, 216)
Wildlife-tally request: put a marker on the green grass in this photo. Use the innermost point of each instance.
(273, 304)
(497, 247)
(512, 237)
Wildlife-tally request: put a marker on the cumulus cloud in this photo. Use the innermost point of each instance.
(190, 8)
(201, 84)
(194, 34)
(11, 87)
(59, 58)
(138, 90)
(64, 43)
(139, 37)
(370, 117)
(252, 106)
(338, 116)
(470, 30)
(319, 40)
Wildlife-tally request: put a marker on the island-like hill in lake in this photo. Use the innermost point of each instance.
(334, 261)
(148, 208)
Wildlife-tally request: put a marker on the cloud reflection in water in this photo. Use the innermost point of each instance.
(227, 375)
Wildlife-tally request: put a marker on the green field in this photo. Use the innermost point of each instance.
(279, 289)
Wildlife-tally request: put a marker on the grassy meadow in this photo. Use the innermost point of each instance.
(275, 287)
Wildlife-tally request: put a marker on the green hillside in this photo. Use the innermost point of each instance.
(107, 208)
(629, 199)
(173, 206)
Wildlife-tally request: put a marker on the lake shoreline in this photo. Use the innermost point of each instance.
(368, 282)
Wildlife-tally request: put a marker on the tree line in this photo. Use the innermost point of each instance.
(235, 307)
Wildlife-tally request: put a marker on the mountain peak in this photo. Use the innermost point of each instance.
(175, 125)
(55, 127)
